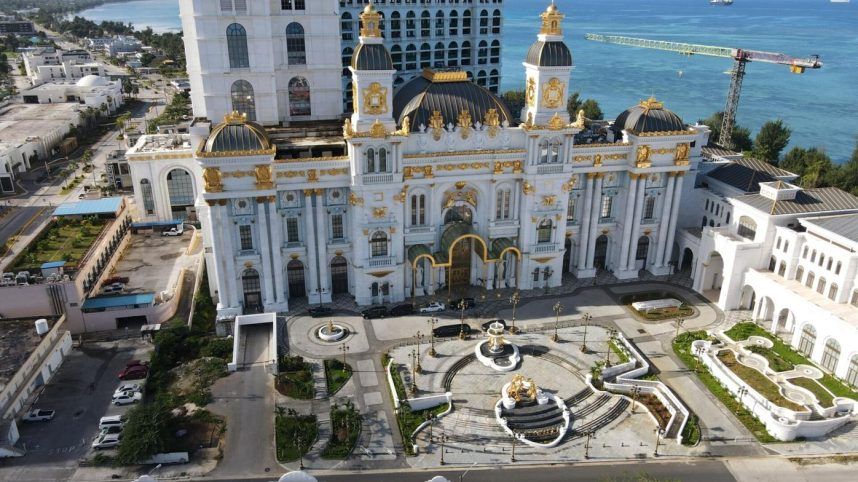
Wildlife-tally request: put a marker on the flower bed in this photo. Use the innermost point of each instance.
(336, 374)
(345, 426)
(295, 379)
(776, 362)
(656, 408)
(825, 398)
(757, 381)
(295, 434)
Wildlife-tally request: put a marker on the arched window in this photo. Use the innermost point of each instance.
(728, 219)
(453, 54)
(251, 289)
(494, 53)
(482, 53)
(440, 49)
(642, 249)
(786, 246)
(243, 99)
(370, 160)
(747, 228)
(346, 26)
(295, 49)
(809, 281)
(439, 25)
(496, 22)
(378, 244)
(820, 287)
(837, 269)
(395, 25)
(807, 340)
(484, 22)
(705, 220)
(382, 160)
(503, 209)
(396, 56)
(410, 24)
(852, 372)
(772, 263)
(830, 262)
(349, 95)
(299, 96)
(418, 209)
(832, 291)
(799, 273)
(425, 24)
(778, 243)
(454, 24)
(543, 231)
(543, 151)
(821, 259)
(148, 198)
(410, 57)
(236, 46)
(180, 187)
(830, 355)
(649, 207)
(494, 79)
(466, 53)
(813, 256)
(425, 55)
(347, 61)
(554, 151)
(481, 78)
(782, 268)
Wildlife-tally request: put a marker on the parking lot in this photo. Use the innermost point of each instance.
(80, 393)
(152, 262)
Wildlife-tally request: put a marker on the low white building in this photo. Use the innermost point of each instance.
(31, 133)
(113, 46)
(92, 91)
(49, 64)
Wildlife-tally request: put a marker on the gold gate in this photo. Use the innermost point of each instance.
(460, 269)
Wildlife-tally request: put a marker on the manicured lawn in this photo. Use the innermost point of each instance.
(346, 426)
(691, 431)
(682, 348)
(397, 382)
(336, 375)
(409, 420)
(295, 434)
(758, 381)
(63, 240)
(742, 331)
(824, 396)
(295, 378)
(776, 362)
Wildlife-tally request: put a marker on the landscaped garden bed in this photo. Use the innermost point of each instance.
(759, 382)
(682, 348)
(63, 240)
(776, 362)
(295, 378)
(409, 420)
(682, 311)
(742, 331)
(295, 434)
(825, 398)
(336, 375)
(656, 408)
(345, 430)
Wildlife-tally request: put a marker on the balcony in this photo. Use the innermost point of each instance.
(377, 178)
(545, 248)
(549, 168)
(248, 252)
(380, 262)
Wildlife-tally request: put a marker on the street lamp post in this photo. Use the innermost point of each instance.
(584, 341)
(301, 451)
(461, 307)
(413, 372)
(512, 459)
(557, 309)
(700, 350)
(635, 390)
(443, 439)
(513, 300)
(418, 337)
(432, 321)
(345, 349)
(658, 433)
(679, 323)
(590, 435)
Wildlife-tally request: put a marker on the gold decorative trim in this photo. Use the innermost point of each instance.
(409, 171)
(542, 260)
(258, 152)
(375, 99)
(492, 121)
(401, 195)
(464, 123)
(597, 160)
(212, 179)
(463, 166)
(354, 200)
(530, 92)
(527, 188)
(604, 144)
(642, 159)
(549, 200)
(469, 196)
(664, 133)
(475, 152)
(436, 122)
(380, 274)
(187, 154)
(377, 130)
(445, 76)
(379, 213)
(552, 93)
(311, 159)
(263, 173)
(556, 123)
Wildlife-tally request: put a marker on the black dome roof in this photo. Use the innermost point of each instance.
(446, 92)
(371, 57)
(549, 54)
(648, 116)
(236, 134)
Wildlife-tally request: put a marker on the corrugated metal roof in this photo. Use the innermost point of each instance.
(106, 205)
(549, 54)
(129, 301)
(53, 264)
(639, 119)
(818, 200)
(747, 173)
(845, 225)
(234, 137)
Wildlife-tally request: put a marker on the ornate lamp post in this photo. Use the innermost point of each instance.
(461, 307)
(413, 372)
(443, 439)
(345, 349)
(658, 433)
(590, 434)
(432, 321)
(512, 459)
(612, 335)
(557, 309)
(419, 338)
(513, 300)
(635, 391)
(584, 341)
(679, 323)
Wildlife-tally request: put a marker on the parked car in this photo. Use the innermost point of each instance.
(116, 279)
(137, 363)
(128, 387)
(174, 231)
(320, 311)
(136, 372)
(112, 288)
(448, 331)
(402, 310)
(457, 304)
(106, 441)
(39, 415)
(111, 421)
(110, 430)
(487, 324)
(374, 312)
(433, 307)
(127, 398)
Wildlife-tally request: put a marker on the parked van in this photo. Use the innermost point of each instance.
(111, 421)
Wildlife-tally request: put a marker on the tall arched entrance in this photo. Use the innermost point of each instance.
(339, 275)
(252, 291)
(600, 254)
(460, 269)
(180, 188)
(295, 275)
(567, 256)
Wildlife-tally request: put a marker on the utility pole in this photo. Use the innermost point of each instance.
(513, 300)
(557, 309)
(432, 321)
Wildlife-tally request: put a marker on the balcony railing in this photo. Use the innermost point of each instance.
(380, 262)
(544, 248)
(549, 169)
(377, 178)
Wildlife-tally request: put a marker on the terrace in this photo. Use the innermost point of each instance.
(18, 340)
(64, 239)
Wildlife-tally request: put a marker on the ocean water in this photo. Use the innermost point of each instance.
(821, 106)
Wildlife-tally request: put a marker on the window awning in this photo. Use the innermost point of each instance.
(500, 244)
(454, 232)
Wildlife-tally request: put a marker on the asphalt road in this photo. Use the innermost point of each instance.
(697, 471)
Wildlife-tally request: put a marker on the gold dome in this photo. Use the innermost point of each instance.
(237, 136)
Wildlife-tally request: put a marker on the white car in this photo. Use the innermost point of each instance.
(106, 441)
(433, 307)
(38, 415)
(126, 398)
(174, 231)
(127, 387)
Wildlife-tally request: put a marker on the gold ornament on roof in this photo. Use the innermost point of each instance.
(556, 122)
(651, 104)
(552, 96)
(492, 121)
(212, 179)
(263, 176)
(405, 131)
(375, 99)
(464, 123)
(529, 121)
(579, 120)
(370, 20)
(348, 130)
(377, 129)
(551, 20)
(436, 122)
(235, 117)
(642, 160)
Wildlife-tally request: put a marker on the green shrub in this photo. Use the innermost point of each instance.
(218, 348)
(294, 435)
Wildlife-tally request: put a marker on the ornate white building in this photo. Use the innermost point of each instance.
(437, 187)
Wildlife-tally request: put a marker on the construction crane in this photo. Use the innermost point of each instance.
(740, 57)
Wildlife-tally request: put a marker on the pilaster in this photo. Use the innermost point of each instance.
(593, 232)
(583, 237)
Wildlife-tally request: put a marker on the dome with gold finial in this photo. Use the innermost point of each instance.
(237, 134)
(550, 50)
(647, 117)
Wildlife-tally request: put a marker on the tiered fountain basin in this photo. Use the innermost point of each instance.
(332, 332)
(535, 418)
(497, 353)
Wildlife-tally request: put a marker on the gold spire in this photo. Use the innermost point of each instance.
(235, 117)
(652, 104)
(551, 20)
(370, 21)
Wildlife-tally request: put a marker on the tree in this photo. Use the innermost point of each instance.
(573, 104)
(145, 434)
(771, 140)
(741, 135)
(515, 101)
(592, 109)
(812, 165)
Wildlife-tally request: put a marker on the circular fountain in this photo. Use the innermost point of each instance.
(496, 352)
(527, 413)
(331, 332)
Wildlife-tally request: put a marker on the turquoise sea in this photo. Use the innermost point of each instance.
(820, 106)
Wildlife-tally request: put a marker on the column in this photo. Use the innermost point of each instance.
(218, 255)
(636, 225)
(322, 247)
(310, 243)
(583, 232)
(267, 276)
(276, 226)
(665, 220)
(594, 222)
(627, 223)
(674, 213)
(228, 257)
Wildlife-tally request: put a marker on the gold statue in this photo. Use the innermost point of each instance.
(348, 131)
(330, 326)
(643, 156)
(212, 179)
(436, 122)
(529, 121)
(579, 120)
(263, 176)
